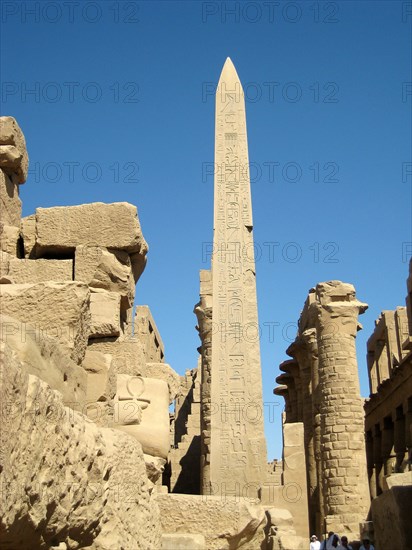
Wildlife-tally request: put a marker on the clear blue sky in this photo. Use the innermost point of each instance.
(122, 110)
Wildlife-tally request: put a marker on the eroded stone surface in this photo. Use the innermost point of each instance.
(37, 271)
(225, 522)
(56, 310)
(63, 228)
(163, 371)
(127, 354)
(9, 239)
(10, 203)
(41, 355)
(151, 429)
(107, 269)
(183, 542)
(28, 233)
(105, 313)
(64, 480)
(101, 383)
(391, 517)
(13, 152)
(5, 258)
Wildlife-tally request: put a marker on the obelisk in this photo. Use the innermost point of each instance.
(237, 442)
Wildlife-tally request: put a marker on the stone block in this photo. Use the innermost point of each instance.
(225, 522)
(56, 310)
(127, 354)
(293, 542)
(28, 233)
(397, 480)
(101, 384)
(138, 264)
(105, 313)
(5, 258)
(9, 239)
(280, 517)
(116, 225)
(155, 467)
(10, 203)
(183, 541)
(13, 151)
(293, 434)
(107, 269)
(42, 356)
(37, 271)
(153, 432)
(163, 371)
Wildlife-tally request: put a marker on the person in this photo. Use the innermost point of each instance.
(331, 542)
(314, 543)
(335, 541)
(324, 545)
(344, 544)
(366, 545)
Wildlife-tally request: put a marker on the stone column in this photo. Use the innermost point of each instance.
(287, 379)
(388, 453)
(203, 311)
(343, 456)
(312, 343)
(370, 463)
(301, 352)
(399, 440)
(377, 460)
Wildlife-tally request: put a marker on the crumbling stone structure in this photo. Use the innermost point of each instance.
(185, 454)
(76, 373)
(321, 389)
(388, 425)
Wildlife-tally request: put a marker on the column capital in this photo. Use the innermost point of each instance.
(338, 308)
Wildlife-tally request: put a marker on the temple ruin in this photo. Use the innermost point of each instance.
(92, 456)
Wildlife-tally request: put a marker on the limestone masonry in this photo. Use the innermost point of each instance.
(91, 456)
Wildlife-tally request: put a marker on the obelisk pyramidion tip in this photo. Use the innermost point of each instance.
(229, 71)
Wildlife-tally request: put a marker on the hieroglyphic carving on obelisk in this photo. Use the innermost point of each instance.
(237, 443)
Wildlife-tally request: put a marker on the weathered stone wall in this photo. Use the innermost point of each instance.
(388, 425)
(67, 287)
(387, 346)
(391, 518)
(146, 331)
(185, 454)
(227, 523)
(14, 163)
(43, 357)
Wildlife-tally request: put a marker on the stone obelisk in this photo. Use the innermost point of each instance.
(237, 442)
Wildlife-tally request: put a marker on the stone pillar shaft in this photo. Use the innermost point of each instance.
(343, 457)
(203, 312)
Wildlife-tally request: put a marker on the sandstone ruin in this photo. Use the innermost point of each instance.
(90, 455)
